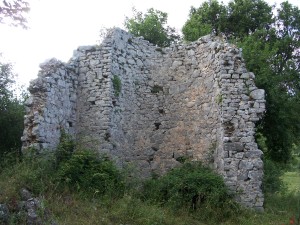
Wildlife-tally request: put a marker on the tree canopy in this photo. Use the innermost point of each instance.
(12, 12)
(11, 113)
(209, 17)
(239, 18)
(11, 108)
(152, 26)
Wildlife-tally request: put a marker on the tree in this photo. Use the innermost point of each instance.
(239, 18)
(209, 17)
(12, 12)
(273, 55)
(246, 16)
(11, 108)
(11, 113)
(152, 26)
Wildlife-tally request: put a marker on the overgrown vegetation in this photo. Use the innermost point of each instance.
(194, 187)
(11, 114)
(152, 26)
(76, 179)
(117, 85)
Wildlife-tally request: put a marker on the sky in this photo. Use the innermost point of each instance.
(57, 27)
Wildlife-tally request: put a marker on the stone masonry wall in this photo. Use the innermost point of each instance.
(191, 101)
(51, 106)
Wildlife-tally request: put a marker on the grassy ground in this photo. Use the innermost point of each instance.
(292, 180)
(72, 208)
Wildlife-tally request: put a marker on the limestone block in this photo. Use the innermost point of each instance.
(176, 64)
(245, 165)
(255, 175)
(258, 94)
(233, 147)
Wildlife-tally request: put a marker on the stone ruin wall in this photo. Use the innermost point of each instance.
(191, 101)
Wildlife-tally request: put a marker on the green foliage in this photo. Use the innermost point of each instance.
(11, 115)
(86, 171)
(154, 204)
(273, 55)
(33, 172)
(272, 182)
(209, 17)
(65, 148)
(239, 18)
(191, 186)
(152, 26)
(246, 16)
(117, 84)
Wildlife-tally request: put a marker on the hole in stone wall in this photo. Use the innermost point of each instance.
(156, 88)
(114, 102)
(70, 124)
(228, 128)
(93, 102)
(226, 63)
(154, 149)
(161, 111)
(157, 125)
(107, 136)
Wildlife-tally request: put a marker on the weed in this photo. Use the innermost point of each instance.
(219, 99)
(65, 148)
(86, 171)
(117, 85)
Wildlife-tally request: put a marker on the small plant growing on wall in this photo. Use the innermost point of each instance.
(219, 99)
(156, 89)
(117, 85)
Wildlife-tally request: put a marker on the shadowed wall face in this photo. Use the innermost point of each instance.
(154, 107)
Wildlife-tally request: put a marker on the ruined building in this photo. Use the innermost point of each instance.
(154, 107)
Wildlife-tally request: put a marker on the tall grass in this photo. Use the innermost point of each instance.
(82, 187)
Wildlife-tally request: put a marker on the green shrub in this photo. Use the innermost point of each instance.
(85, 170)
(191, 186)
(65, 148)
(33, 172)
(272, 182)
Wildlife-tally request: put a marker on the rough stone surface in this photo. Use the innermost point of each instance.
(194, 100)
